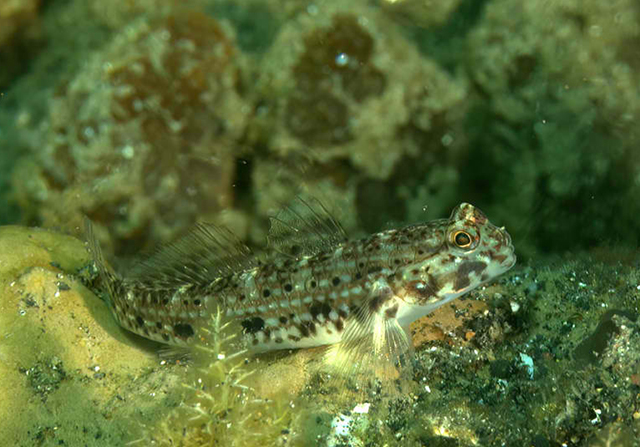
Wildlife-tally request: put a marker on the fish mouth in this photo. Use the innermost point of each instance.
(510, 261)
(506, 237)
(511, 256)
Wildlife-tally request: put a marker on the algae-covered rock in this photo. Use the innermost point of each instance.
(67, 371)
(343, 84)
(142, 137)
(423, 13)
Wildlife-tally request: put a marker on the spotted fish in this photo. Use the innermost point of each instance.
(314, 286)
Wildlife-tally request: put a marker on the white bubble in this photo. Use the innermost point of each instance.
(342, 59)
(128, 152)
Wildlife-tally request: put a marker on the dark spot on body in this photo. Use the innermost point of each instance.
(165, 301)
(266, 293)
(371, 270)
(283, 320)
(165, 337)
(253, 325)
(335, 281)
(423, 289)
(462, 274)
(358, 275)
(339, 325)
(312, 327)
(197, 302)
(183, 330)
(391, 312)
(288, 287)
(293, 338)
(375, 303)
(319, 308)
(139, 320)
(278, 340)
(343, 313)
(255, 341)
(159, 325)
(313, 284)
(241, 297)
(307, 328)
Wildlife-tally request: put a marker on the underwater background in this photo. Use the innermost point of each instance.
(149, 116)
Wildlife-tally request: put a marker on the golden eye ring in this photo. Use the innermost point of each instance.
(462, 239)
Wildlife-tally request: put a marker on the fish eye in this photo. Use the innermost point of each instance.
(462, 239)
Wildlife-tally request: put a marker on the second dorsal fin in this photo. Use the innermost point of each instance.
(202, 255)
(304, 228)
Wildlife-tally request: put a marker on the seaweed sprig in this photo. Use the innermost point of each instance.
(218, 408)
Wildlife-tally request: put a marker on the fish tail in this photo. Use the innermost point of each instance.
(107, 275)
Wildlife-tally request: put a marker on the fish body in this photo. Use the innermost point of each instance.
(315, 287)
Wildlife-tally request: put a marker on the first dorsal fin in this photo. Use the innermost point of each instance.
(304, 228)
(202, 255)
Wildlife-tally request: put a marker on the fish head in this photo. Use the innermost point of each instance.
(460, 254)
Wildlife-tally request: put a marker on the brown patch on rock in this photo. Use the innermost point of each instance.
(443, 321)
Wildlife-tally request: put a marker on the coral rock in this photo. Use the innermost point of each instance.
(344, 84)
(142, 139)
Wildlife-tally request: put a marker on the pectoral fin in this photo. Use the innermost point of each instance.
(374, 343)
